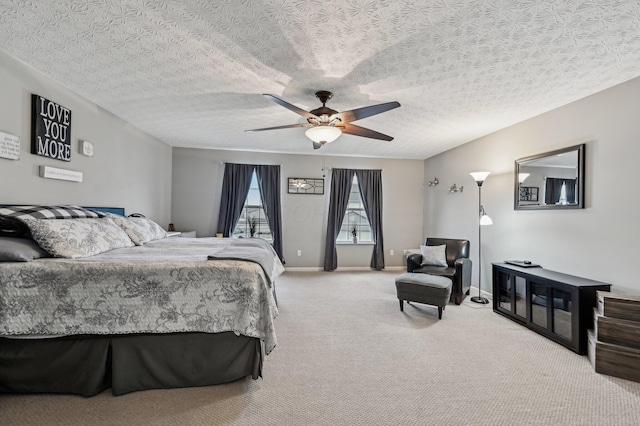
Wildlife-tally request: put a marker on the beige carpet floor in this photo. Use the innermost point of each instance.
(346, 355)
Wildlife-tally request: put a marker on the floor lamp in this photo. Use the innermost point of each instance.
(480, 177)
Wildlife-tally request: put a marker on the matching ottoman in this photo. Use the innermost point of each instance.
(424, 288)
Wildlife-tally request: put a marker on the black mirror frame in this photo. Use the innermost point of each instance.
(580, 176)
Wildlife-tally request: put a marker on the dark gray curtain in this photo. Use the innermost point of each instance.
(553, 187)
(341, 180)
(571, 190)
(370, 184)
(235, 187)
(269, 184)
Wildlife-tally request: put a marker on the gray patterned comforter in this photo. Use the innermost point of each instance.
(164, 286)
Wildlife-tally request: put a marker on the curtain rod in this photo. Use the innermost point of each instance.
(248, 164)
(348, 168)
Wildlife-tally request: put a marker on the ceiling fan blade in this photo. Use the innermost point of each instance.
(352, 129)
(291, 107)
(289, 126)
(317, 145)
(364, 112)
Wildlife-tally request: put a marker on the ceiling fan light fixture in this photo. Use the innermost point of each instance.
(323, 134)
(326, 125)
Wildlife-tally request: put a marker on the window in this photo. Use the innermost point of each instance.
(560, 191)
(563, 194)
(355, 216)
(253, 211)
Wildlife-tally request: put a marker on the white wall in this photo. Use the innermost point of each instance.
(129, 169)
(197, 182)
(599, 242)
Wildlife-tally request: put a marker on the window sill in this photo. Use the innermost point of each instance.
(351, 243)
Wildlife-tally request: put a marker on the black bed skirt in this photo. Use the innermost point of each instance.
(88, 365)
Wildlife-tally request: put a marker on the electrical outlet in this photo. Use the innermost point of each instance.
(391, 252)
(299, 252)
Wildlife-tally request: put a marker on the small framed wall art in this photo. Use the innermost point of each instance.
(306, 186)
(529, 193)
(9, 146)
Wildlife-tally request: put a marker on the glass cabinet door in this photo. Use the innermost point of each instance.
(512, 294)
(504, 291)
(562, 313)
(539, 304)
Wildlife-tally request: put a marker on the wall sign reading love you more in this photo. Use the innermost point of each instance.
(51, 129)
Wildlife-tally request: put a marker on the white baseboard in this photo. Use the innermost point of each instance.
(395, 268)
(342, 268)
(303, 268)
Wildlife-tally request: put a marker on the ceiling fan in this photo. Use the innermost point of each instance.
(326, 124)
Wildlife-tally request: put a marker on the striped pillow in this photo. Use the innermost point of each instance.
(12, 226)
(50, 212)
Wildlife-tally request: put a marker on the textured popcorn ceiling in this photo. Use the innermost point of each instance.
(192, 72)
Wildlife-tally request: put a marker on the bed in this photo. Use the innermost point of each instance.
(167, 313)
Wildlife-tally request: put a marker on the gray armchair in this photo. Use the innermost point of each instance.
(458, 267)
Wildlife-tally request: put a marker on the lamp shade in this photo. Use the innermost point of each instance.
(522, 177)
(479, 176)
(323, 134)
(485, 220)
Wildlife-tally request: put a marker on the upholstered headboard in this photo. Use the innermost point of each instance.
(114, 210)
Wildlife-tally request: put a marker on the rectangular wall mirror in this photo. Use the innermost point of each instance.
(553, 180)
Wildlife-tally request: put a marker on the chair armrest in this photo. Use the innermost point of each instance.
(413, 261)
(463, 270)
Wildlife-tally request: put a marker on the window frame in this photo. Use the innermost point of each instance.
(243, 223)
(363, 226)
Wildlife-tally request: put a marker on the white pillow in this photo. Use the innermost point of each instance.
(20, 250)
(140, 229)
(75, 238)
(434, 255)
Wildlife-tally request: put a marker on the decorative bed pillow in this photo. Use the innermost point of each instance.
(140, 229)
(75, 238)
(49, 212)
(434, 255)
(12, 227)
(20, 250)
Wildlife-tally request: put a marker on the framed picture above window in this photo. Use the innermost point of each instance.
(306, 186)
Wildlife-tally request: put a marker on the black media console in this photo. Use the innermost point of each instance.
(556, 305)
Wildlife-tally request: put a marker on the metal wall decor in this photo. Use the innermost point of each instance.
(306, 186)
(454, 188)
